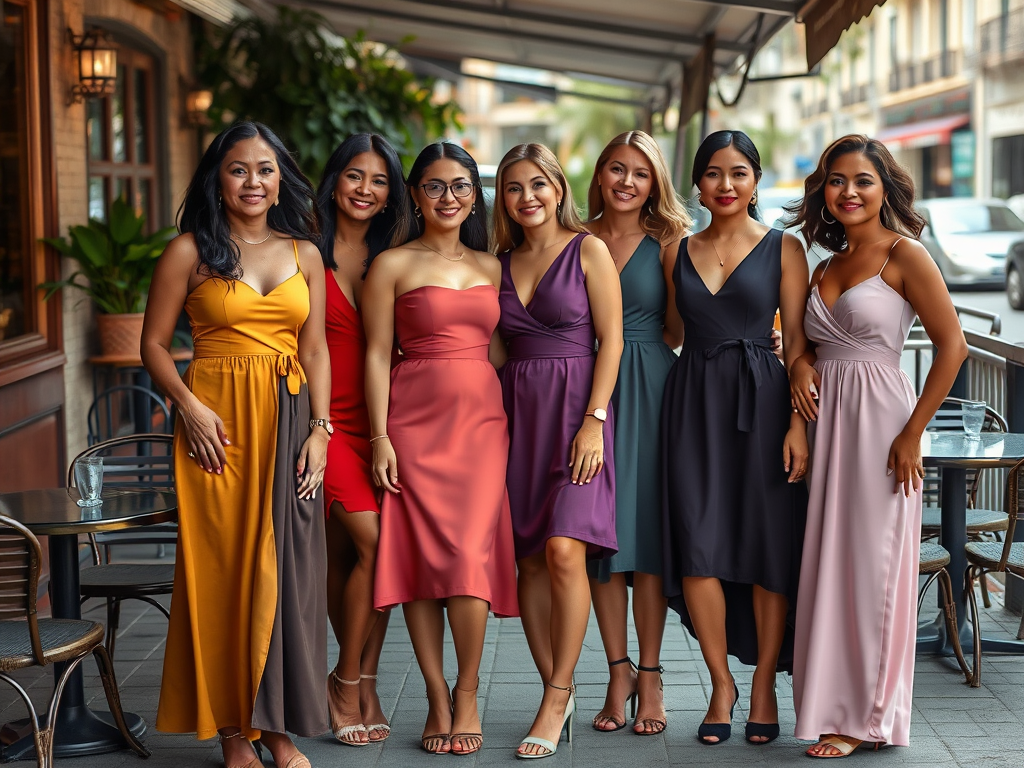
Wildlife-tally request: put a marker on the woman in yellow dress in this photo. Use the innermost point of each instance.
(246, 645)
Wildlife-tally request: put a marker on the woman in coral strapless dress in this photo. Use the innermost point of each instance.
(440, 437)
(363, 210)
(856, 616)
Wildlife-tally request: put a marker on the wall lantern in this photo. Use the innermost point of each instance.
(197, 103)
(97, 65)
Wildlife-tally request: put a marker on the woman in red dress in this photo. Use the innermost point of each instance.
(363, 209)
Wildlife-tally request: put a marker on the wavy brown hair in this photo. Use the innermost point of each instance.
(508, 234)
(897, 214)
(665, 219)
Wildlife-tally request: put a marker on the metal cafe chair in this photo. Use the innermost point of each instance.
(27, 640)
(132, 461)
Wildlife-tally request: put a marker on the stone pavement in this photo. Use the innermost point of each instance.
(954, 725)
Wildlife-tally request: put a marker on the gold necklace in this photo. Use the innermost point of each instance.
(250, 242)
(351, 248)
(720, 262)
(462, 255)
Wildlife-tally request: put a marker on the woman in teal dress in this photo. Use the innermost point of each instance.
(634, 210)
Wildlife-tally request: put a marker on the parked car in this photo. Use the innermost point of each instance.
(969, 238)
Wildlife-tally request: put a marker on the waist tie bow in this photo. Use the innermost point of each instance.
(749, 380)
(288, 366)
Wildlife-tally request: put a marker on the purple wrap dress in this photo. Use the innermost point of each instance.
(546, 388)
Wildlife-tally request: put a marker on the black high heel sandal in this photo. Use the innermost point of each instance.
(768, 731)
(720, 731)
(630, 699)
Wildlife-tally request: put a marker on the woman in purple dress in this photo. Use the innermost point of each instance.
(559, 294)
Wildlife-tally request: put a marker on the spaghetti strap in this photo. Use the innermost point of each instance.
(295, 247)
(889, 255)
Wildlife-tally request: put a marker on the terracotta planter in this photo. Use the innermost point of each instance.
(120, 335)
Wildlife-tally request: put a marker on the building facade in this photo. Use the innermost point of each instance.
(63, 160)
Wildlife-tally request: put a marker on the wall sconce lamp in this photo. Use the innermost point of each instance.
(197, 103)
(97, 65)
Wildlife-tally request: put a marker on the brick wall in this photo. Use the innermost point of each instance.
(171, 34)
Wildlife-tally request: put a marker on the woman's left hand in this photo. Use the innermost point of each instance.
(586, 457)
(312, 462)
(795, 453)
(905, 462)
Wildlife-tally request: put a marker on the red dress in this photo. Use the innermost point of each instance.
(347, 479)
(449, 532)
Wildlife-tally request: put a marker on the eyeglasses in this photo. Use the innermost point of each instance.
(436, 189)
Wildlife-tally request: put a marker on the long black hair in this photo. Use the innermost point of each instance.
(473, 232)
(202, 213)
(390, 226)
(720, 140)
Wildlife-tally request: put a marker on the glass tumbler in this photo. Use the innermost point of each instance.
(974, 417)
(89, 480)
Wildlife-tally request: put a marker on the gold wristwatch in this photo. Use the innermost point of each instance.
(321, 423)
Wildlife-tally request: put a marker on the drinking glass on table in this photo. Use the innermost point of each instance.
(89, 480)
(974, 417)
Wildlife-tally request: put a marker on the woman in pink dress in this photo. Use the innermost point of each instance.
(856, 618)
(363, 210)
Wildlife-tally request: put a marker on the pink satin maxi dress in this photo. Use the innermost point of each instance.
(856, 617)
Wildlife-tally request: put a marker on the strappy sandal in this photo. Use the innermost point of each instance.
(718, 731)
(474, 740)
(384, 728)
(551, 747)
(435, 743)
(838, 743)
(255, 762)
(344, 733)
(630, 699)
(656, 725)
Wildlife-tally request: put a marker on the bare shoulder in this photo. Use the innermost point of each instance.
(670, 249)
(181, 256)
(390, 263)
(792, 244)
(489, 263)
(593, 247)
(908, 250)
(309, 257)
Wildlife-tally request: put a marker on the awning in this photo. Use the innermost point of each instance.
(927, 133)
(826, 20)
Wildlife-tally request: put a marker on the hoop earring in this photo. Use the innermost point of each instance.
(824, 208)
(416, 212)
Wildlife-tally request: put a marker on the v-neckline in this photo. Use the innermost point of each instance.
(543, 277)
(351, 304)
(632, 256)
(734, 269)
(265, 295)
(830, 310)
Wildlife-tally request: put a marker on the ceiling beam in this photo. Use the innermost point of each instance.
(512, 34)
(787, 8)
(572, 22)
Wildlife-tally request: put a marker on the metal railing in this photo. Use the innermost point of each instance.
(1002, 39)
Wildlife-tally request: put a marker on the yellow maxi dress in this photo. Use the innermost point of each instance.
(246, 644)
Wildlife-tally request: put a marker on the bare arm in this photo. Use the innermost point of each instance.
(315, 360)
(379, 325)
(168, 291)
(673, 331)
(804, 382)
(605, 296)
(792, 303)
(927, 294)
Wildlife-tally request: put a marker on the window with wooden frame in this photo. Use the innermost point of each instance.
(120, 137)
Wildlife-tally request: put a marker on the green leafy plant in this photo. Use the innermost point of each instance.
(115, 261)
(315, 88)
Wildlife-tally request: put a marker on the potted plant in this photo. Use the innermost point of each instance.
(115, 263)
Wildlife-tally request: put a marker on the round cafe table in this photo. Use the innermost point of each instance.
(953, 454)
(54, 513)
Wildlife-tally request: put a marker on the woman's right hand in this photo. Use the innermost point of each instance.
(804, 385)
(385, 465)
(206, 437)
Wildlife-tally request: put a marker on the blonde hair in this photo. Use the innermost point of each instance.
(508, 234)
(666, 220)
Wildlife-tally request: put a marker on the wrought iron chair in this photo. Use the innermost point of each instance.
(982, 524)
(984, 557)
(133, 461)
(933, 563)
(27, 640)
(145, 406)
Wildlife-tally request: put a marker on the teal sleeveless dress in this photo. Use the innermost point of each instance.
(636, 402)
